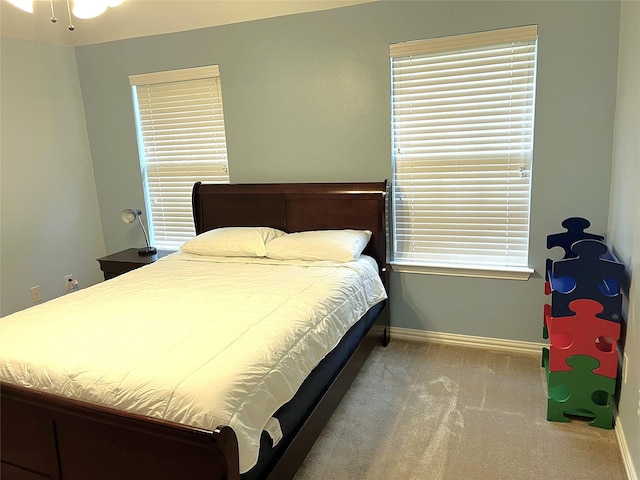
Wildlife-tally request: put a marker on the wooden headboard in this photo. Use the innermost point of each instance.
(295, 207)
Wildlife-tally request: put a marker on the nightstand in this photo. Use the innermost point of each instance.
(127, 260)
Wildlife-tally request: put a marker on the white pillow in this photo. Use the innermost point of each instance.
(232, 242)
(334, 245)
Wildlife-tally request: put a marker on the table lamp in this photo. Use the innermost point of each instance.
(130, 215)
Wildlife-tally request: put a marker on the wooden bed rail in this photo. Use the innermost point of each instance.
(44, 435)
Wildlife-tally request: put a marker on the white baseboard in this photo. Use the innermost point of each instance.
(624, 449)
(512, 346)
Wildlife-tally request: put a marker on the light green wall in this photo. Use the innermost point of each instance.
(50, 221)
(624, 217)
(306, 98)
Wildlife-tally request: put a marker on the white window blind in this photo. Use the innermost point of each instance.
(462, 126)
(181, 140)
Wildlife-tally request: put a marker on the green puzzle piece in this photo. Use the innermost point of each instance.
(579, 392)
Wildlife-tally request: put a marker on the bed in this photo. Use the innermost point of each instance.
(48, 435)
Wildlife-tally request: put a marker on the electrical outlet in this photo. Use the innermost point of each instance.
(70, 283)
(36, 296)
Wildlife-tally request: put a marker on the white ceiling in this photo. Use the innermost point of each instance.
(137, 18)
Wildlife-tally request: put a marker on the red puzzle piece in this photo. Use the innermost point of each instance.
(583, 334)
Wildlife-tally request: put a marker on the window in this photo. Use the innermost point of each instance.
(181, 140)
(462, 127)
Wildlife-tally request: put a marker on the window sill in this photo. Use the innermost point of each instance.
(503, 273)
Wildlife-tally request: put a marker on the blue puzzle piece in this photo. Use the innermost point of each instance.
(593, 274)
(575, 227)
(575, 231)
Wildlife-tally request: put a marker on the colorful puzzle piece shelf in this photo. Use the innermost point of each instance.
(582, 323)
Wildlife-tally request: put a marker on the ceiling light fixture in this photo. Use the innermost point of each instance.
(81, 8)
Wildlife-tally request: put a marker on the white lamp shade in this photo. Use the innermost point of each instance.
(89, 8)
(129, 215)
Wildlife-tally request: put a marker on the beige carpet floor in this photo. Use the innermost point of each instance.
(436, 412)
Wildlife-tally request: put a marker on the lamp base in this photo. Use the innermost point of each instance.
(147, 251)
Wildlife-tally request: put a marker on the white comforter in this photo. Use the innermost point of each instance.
(190, 339)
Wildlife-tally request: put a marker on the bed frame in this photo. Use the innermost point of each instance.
(45, 436)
